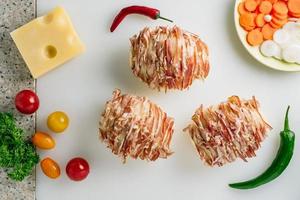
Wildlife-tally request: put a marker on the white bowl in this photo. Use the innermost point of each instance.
(254, 51)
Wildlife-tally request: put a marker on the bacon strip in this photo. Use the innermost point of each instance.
(227, 131)
(133, 126)
(168, 58)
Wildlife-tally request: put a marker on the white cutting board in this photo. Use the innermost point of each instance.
(82, 86)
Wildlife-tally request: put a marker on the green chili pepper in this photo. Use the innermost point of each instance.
(283, 158)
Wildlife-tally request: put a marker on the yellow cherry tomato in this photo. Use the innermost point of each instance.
(50, 168)
(58, 121)
(43, 140)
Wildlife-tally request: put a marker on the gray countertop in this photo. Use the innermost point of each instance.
(14, 76)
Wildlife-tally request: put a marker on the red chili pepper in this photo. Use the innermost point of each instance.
(142, 10)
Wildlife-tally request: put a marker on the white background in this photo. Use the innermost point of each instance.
(82, 86)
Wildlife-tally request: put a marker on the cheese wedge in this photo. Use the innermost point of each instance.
(47, 42)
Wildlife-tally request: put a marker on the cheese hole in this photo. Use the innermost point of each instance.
(50, 51)
(48, 18)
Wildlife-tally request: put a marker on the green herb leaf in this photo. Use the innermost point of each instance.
(17, 155)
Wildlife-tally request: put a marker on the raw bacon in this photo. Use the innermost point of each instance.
(134, 126)
(168, 58)
(227, 131)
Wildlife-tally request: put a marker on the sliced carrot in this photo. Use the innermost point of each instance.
(248, 28)
(279, 22)
(250, 5)
(265, 7)
(254, 14)
(241, 8)
(255, 37)
(279, 16)
(274, 25)
(294, 15)
(272, 1)
(294, 6)
(259, 20)
(267, 32)
(280, 7)
(247, 20)
(258, 2)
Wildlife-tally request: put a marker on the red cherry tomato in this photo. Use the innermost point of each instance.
(77, 169)
(27, 102)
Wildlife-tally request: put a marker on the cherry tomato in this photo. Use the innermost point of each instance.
(50, 168)
(77, 169)
(58, 121)
(43, 140)
(27, 102)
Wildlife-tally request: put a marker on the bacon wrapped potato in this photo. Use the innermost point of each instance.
(134, 126)
(168, 58)
(227, 131)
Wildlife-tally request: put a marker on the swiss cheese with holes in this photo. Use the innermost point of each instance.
(47, 42)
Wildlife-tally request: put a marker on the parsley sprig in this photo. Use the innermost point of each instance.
(17, 155)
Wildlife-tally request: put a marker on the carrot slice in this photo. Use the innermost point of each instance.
(265, 7)
(259, 20)
(294, 6)
(294, 15)
(247, 20)
(248, 28)
(279, 16)
(250, 5)
(255, 37)
(241, 8)
(272, 1)
(254, 15)
(274, 25)
(258, 2)
(279, 22)
(267, 32)
(280, 7)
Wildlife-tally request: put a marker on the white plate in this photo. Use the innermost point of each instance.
(254, 51)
